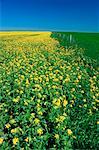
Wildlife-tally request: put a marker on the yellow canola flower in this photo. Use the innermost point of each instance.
(38, 107)
(27, 139)
(73, 89)
(18, 64)
(27, 82)
(15, 141)
(22, 77)
(67, 79)
(36, 121)
(35, 79)
(79, 77)
(40, 113)
(97, 122)
(1, 140)
(57, 93)
(51, 74)
(54, 86)
(47, 79)
(26, 103)
(16, 130)
(7, 125)
(56, 136)
(57, 102)
(60, 77)
(13, 131)
(65, 102)
(55, 79)
(39, 131)
(56, 71)
(69, 131)
(60, 119)
(37, 87)
(16, 100)
(21, 92)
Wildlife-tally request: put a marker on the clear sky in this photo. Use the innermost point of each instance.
(59, 15)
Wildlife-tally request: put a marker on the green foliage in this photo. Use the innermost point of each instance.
(88, 41)
(48, 95)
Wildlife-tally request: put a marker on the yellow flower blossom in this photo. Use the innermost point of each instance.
(67, 79)
(79, 77)
(84, 100)
(65, 102)
(60, 119)
(40, 113)
(1, 140)
(76, 81)
(73, 89)
(16, 100)
(15, 141)
(47, 79)
(36, 121)
(18, 64)
(22, 77)
(57, 102)
(21, 92)
(7, 125)
(38, 107)
(55, 79)
(60, 77)
(54, 86)
(27, 82)
(39, 131)
(26, 103)
(56, 136)
(36, 79)
(27, 139)
(69, 132)
(97, 122)
(16, 130)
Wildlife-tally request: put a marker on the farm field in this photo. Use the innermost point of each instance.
(88, 41)
(49, 93)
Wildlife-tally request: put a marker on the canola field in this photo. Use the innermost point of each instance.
(49, 94)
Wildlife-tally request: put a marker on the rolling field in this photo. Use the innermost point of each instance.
(49, 93)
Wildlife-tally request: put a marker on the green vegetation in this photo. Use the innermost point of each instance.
(88, 41)
(48, 94)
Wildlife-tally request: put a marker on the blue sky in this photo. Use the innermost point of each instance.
(59, 15)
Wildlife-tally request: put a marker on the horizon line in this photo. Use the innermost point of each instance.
(42, 30)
